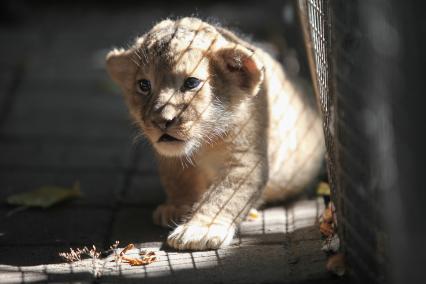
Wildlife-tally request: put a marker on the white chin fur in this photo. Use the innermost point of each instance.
(174, 149)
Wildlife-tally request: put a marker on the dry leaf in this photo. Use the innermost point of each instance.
(336, 264)
(140, 261)
(126, 249)
(326, 223)
(327, 215)
(331, 244)
(147, 258)
(45, 196)
(326, 229)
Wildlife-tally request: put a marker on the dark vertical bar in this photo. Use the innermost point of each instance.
(378, 61)
(406, 201)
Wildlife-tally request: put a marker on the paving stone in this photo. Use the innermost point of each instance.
(17, 48)
(6, 81)
(56, 273)
(43, 131)
(279, 224)
(19, 44)
(252, 264)
(294, 261)
(81, 55)
(55, 226)
(72, 111)
(147, 161)
(38, 97)
(144, 189)
(46, 154)
(134, 225)
(31, 255)
(71, 57)
(305, 214)
(66, 127)
(22, 277)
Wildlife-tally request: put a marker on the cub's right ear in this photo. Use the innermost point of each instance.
(242, 67)
(121, 67)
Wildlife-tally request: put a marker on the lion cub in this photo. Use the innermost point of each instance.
(228, 127)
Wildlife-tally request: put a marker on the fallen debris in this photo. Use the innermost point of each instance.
(328, 229)
(323, 189)
(253, 215)
(126, 249)
(79, 253)
(147, 257)
(331, 244)
(336, 264)
(45, 196)
(74, 255)
(326, 223)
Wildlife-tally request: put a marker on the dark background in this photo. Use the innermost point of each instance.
(62, 120)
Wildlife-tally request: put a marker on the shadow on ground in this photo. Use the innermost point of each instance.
(62, 120)
(282, 245)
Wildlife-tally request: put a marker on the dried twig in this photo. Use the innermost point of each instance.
(114, 246)
(74, 255)
(78, 253)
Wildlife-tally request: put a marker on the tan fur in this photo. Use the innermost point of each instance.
(247, 132)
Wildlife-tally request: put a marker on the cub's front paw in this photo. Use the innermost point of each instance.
(195, 236)
(167, 214)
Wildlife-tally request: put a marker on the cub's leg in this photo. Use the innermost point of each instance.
(184, 187)
(225, 204)
(168, 214)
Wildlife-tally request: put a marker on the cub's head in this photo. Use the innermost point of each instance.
(183, 83)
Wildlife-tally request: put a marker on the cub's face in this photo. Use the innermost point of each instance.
(182, 82)
(174, 104)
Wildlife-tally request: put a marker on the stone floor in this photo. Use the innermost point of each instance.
(282, 245)
(62, 120)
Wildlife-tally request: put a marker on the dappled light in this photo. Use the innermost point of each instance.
(280, 230)
(64, 122)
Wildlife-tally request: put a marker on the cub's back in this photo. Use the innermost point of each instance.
(295, 143)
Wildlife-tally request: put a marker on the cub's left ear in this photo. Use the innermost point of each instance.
(242, 67)
(121, 67)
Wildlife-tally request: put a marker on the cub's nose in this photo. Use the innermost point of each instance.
(164, 123)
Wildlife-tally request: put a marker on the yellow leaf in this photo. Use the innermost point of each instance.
(323, 189)
(45, 196)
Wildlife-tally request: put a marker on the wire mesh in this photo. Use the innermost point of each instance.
(348, 73)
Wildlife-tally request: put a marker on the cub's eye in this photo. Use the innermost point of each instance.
(191, 83)
(144, 86)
